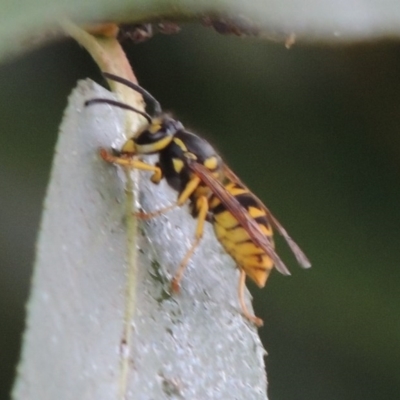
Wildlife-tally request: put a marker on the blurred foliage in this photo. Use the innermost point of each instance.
(312, 130)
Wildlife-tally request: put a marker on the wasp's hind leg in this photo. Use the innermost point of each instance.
(242, 284)
(202, 207)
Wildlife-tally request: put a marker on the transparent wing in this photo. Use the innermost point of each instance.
(301, 258)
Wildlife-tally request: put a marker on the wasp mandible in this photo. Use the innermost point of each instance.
(192, 167)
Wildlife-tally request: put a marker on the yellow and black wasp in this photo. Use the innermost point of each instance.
(191, 166)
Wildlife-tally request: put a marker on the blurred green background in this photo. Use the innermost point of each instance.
(313, 130)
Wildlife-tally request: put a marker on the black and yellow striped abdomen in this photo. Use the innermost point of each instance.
(236, 240)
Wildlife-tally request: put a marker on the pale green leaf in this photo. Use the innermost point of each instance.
(192, 345)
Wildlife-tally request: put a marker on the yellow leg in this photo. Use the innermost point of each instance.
(183, 197)
(202, 206)
(132, 163)
(191, 186)
(242, 284)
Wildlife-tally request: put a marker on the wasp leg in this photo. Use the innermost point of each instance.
(145, 215)
(242, 284)
(183, 197)
(132, 163)
(202, 206)
(137, 164)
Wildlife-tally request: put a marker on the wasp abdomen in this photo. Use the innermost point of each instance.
(236, 239)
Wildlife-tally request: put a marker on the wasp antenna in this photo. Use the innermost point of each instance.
(120, 105)
(148, 98)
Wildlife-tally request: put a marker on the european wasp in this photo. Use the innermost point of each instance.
(191, 166)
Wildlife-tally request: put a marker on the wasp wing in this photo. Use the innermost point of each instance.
(239, 212)
(301, 258)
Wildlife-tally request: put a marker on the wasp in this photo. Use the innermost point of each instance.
(192, 167)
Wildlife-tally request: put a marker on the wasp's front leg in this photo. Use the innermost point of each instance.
(130, 162)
